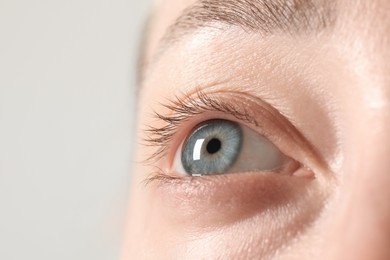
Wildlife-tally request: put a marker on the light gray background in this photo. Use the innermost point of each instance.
(66, 121)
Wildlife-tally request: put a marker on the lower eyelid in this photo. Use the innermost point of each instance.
(230, 198)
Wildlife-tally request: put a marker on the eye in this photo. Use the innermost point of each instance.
(222, 146)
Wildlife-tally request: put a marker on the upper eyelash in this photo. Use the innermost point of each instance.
(181, 109)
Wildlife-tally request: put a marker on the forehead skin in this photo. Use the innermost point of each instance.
(164, 14)
(366, 14)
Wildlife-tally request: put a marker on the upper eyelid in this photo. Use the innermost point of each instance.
(181, 110)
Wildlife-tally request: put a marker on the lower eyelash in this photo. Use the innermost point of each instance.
(161, 177)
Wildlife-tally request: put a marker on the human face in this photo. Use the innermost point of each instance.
(268, 124)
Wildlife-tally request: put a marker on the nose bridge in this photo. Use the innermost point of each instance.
(364, 220)
(368, 202)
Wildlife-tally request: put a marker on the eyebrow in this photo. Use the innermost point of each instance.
(260, 16)
(265, 17)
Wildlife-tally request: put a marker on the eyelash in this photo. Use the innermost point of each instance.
(181, 110)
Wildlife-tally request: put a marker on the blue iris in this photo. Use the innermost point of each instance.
(212, 148)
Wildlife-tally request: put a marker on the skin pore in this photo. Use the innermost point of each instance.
(314, 80)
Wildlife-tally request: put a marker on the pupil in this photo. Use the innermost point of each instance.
(214, 146)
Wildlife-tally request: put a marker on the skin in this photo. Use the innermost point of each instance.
(333, 88)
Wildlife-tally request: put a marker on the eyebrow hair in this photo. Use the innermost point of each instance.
(266, 17)
(260, 16)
